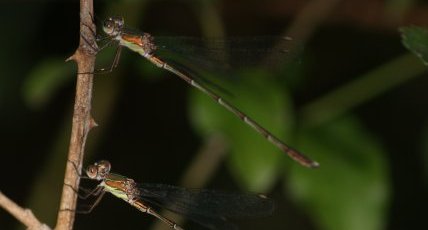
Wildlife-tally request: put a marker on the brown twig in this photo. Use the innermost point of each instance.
(25, 216)
(82, 120)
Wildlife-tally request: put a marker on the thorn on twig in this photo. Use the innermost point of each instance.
(72, 57)
(92, 123)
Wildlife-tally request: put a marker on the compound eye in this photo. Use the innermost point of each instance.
(108, 26)
(92, 172)
(104, 167)
(120, 22)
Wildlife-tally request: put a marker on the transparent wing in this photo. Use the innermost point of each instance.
(207, 207)
(225, 53)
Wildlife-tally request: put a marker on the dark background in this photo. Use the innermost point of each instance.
(148, 133)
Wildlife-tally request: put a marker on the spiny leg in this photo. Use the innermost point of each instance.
(96, 50)
(77, 170)
(113, 64)
(92, 206)
(88, 192)
(115, 60)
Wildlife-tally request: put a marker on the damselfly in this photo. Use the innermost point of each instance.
(206, 207)
(143, 43)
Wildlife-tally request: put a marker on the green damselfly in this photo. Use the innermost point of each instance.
(207, 207)
(144, 44)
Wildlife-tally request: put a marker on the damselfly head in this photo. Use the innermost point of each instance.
(98, 170)
(113, 25)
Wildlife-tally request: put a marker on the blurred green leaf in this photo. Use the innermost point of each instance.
(45, 79)
(350, 189)
(361, 89)
(293, 73)
(253, 160)
(415, 39)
